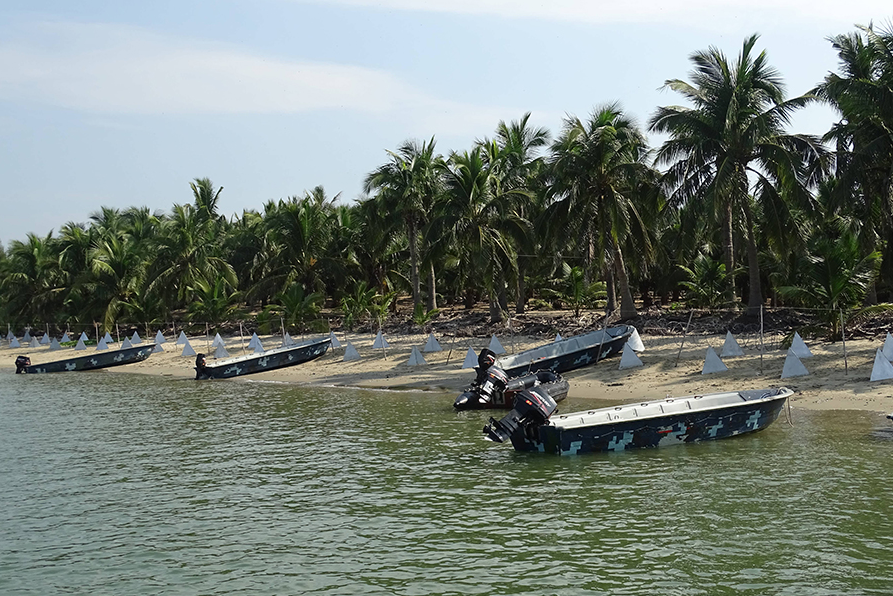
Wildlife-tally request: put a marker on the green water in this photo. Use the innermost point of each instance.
(124, 484)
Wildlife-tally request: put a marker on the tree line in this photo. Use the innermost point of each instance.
(732, 209)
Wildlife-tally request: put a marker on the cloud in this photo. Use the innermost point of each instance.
(699, 13)
(115, 69)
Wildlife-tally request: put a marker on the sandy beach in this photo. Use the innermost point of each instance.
(832, 383)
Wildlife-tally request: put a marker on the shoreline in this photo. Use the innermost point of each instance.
(832, 383)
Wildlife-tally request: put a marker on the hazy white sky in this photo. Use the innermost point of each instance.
(119, 103)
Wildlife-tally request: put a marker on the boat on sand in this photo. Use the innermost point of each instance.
(569, 353)
(96, 360)
(255, 363)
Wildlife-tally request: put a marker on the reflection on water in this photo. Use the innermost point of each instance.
(123, 484)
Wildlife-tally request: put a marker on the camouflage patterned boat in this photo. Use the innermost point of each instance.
(104, 359)
(255, 363)
(532, 425)
(568, 354)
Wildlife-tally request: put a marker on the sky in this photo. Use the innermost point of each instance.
(119, 104)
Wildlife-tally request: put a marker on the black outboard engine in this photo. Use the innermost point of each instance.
(200, 369)
(532, 408)
(489, 383)
(21, 363)
(890, 416)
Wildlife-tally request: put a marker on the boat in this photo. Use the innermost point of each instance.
(570, 353)
(255, 363)
(96, 360)
(476, 398)
(533, 426)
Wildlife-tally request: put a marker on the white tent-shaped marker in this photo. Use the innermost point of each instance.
(334, 340)
(253, 341)
(45, 340)
(731, 347)
(792, 366)
(800, 349)
(220, 352)
(80, 345)
(159, 338)
(712, 363)
(882, 369)
(14, 343)
(471, 359)
(33, 343)
(629, 359)
(888, 347)
(558, 337)
(635, 341)
(380, 341)
(54, 345)
(102, 345)
(416, 358)
(136, 339)
(126, 344)
(27, 337)
(187, 349)
(496, 346)
(258, 347)
(65, 338)
(287, 340)
(83, 337)
(432, 345)
(182, 340)
(218, 341)
(350, 353)
(157, 349)
(108, 339)
(10, 336)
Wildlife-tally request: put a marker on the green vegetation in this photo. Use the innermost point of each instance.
(731, 210)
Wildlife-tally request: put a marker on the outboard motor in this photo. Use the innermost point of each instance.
(489, 383)
(532, 408)
(21, 363)
(200, 369)
(890, 416)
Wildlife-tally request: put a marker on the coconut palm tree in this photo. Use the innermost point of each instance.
(731, 144)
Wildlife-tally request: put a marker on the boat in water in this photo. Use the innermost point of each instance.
(96, 360)
(255, 363)
(532, 425)
(492, 389)
(570, 353)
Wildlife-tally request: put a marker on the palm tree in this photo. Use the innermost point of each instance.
(731, 144)
(33, 283)
(407, 186)
(597, 167)
(213, 302)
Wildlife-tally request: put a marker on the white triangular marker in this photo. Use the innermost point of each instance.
(731, 347)
(712, 363)
(799, 348)
(258, 347)
(635, 341)
(80, 345)
(102, 345)
(157, 349)
(9, 335)
(888, 347)
(108, 339)
(629, 359)
(182, 340)
(33, 343)
(221, 352)
(45, 339)
(432, 345)
(334, 340)
(416, 358)
(471, 359)
(287, 340)
(187, 349)
(495, 346)
(136, 339)
(793, 367)
(65, 338)
(54, 345)
(83, 336)
(14, 343)
(380, 341)
(218, 341)
(350, 353)
(126, 344)
(882, 369)
(253, 341)
(558, 337)
(27, 337)
(159, 338)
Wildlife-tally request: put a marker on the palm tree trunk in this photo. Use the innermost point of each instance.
(627, 304)
(432, 290)
(729, 250)
(414, 265)
(520, 294)
(611, 305)
(495, 311)
(755, 297)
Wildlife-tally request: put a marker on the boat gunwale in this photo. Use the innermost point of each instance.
(512, 361)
